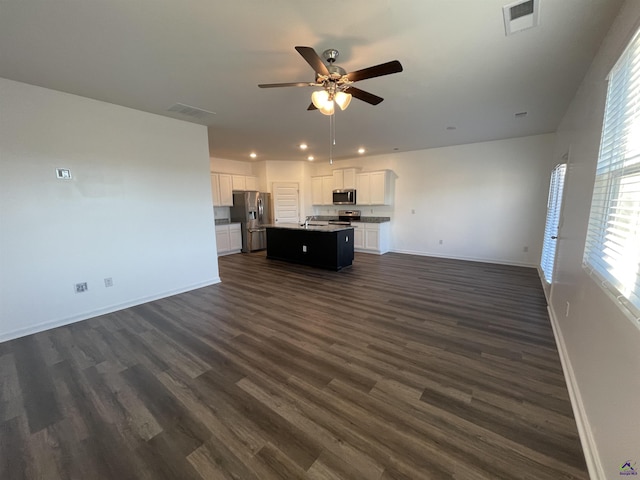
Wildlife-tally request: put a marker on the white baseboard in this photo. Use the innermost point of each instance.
(594, 465)
(21, 332)
(460, 257)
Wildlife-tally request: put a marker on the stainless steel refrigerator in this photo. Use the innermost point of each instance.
(253, 210)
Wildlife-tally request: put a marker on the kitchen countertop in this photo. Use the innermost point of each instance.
(311, 227)
(326, 218)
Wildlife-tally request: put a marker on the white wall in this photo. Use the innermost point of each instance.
(485, 201)
(138, 208)
(601, 344)
(235, 167)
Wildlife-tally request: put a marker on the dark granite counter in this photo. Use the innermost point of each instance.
(311, 227)
(327, 218)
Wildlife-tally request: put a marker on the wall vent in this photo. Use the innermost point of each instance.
(190, 111)
(520, 15)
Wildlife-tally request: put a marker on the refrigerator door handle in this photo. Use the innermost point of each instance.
(260, 210)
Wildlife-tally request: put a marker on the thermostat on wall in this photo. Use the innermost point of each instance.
(64, 173)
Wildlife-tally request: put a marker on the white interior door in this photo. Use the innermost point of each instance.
(286, 203)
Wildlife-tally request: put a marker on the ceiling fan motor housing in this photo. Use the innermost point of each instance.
(330, 55)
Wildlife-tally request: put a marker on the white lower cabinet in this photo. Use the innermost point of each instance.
(228, 238)
(235, 237)
(371, 237)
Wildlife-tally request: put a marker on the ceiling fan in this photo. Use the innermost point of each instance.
(336, 83)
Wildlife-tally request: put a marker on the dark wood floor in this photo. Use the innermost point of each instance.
(400, 367)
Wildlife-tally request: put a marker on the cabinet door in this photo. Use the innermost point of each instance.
(226, 190)
(377, 188)
(363, 196)
(349, 178)
(215, 189)
(235, 237)
(222, 239)
(327, 190)
(358, 236)
(372, 238)
(338, 179)
(251, 183)
(238, 182)
(316, 191)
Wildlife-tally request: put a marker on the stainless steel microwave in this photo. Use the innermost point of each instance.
(344, 197)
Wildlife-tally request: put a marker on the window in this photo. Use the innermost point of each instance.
(554, 203)
(612, 249)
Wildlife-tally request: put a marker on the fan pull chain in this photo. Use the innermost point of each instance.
(332, 136)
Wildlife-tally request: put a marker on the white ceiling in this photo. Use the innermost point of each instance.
(460, 70)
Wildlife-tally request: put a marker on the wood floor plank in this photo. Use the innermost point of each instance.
(397, 368)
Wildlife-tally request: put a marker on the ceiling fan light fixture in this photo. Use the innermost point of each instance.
(322, 102)
(319, 98)
(343, 100)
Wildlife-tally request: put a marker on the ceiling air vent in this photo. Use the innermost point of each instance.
(189, 111)
(520, 16)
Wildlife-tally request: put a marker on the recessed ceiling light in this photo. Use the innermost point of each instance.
(253, 155)
(310, 158)
(361, 150)
(303, 146)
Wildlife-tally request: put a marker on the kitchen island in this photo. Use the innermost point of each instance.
(323, 246)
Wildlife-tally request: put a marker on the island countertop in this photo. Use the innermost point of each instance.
(310, 228)
(324, 246)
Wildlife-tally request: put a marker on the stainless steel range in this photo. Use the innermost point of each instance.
(345, 217)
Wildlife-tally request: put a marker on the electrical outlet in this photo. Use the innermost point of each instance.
(81, 287)
(304, 249)
(439, 242)
(525, 249)
(108, 282)
(63, 173)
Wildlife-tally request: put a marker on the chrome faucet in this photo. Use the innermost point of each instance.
(306, 221)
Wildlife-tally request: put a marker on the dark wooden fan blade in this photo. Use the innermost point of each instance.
(311, 106)
(293, 84)
(364, 96)
(377, 71)
(312, 58)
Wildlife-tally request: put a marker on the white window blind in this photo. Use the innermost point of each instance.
(612, 250)
(554, 204)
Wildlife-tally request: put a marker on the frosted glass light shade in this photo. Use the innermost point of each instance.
(343, 100)
(319, 98)
(321, 101)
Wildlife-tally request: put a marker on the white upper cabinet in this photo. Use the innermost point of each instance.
(373, 188)
(215, 189)
(244, 182)
(239, 182)
(344, 179)
(251, 183)
(221, 190)
(224, 184)
(322, 190)
(226, 191)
